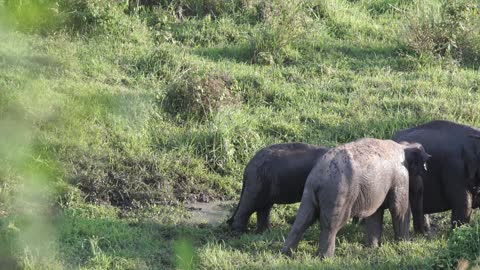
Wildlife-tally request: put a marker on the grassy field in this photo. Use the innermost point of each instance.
(113, 114)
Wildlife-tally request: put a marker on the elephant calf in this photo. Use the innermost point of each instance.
(276, 174)
(361, 179)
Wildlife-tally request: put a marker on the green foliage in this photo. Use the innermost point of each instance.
(33, 15)
(162, 63)
(282, 25)
(190, 8)
(449, 29)
(344, 19)
(207, 32)
(462, 245)
(379, 7)
(229, 139)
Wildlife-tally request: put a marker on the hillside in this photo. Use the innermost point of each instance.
(113, 114)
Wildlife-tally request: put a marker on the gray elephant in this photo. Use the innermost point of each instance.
(275, 175)
(362, 179)
(453, 179)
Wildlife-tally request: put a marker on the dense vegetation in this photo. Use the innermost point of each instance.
(115, 113)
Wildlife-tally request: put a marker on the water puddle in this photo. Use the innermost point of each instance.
(212, 213)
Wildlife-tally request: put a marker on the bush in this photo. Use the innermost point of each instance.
(161, 63)
(105, 18)
(199, 95)
(228, 141)
(282, 25)
(450, 29)
(463, 247)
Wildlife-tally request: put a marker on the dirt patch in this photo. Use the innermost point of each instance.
(213, 213)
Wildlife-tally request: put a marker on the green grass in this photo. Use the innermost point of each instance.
(102, 142)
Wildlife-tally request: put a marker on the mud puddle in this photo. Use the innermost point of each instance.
(212, 213)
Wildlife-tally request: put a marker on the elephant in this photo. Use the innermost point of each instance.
(453, 179)
(361, 178)
(275, 175)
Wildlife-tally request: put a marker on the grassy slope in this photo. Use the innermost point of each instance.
(92, 109)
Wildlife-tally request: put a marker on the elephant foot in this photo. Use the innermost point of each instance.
(262, 229)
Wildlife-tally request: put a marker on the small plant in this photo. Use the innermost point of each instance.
(200, 95)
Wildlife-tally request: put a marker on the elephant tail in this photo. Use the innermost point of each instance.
(230, 220)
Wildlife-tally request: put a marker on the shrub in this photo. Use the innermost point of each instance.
(199, 95)
(282, 25)
(450, 29)
(229, 140)
(161, 63)
(463, 247)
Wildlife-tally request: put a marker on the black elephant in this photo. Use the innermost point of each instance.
(361, 179)
(453, 177)
(275, 175)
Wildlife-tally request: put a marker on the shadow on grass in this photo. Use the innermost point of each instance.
(150, 244)
(352, 56)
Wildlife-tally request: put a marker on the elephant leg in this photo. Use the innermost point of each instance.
(246, 207)
(419, 220)
(326, 246)
(332, 217)
(373, 228)
(400, 210)
(461, 209)
(305, 218)
(263, 218)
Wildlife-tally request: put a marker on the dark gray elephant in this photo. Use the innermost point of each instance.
(275, 175)
(361, 179)
(453, 177)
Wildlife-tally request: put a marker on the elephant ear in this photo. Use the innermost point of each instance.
(416, 158)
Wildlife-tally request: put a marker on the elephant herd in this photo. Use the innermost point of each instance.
(426, 169)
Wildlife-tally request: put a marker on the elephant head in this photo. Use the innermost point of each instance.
(416, 159)
(416, 162)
